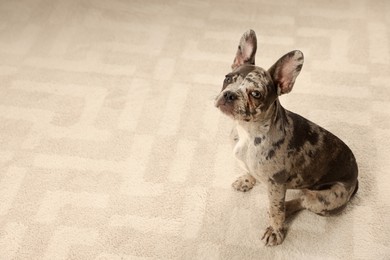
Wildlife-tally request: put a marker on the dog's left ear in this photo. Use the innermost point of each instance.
(246, 50)
(285, 71)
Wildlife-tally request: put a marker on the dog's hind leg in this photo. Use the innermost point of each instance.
(329, 199)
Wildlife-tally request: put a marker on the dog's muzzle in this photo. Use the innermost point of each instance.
(229, 96)
(225, 102)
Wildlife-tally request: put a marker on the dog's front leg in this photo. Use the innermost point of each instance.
(274, 234)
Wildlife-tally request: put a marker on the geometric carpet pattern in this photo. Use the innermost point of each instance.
(111, 147)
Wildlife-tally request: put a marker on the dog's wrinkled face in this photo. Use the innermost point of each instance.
(247, 93)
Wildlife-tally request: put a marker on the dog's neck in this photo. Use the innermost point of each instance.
(272, 124)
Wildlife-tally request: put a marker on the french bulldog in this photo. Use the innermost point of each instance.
(280, 148)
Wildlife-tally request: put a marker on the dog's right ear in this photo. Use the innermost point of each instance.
(246, 50)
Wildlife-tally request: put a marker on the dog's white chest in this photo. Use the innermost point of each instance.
(240, 150)
(253, 157)
(245, 152)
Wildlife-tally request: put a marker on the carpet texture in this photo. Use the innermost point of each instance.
(111, 147)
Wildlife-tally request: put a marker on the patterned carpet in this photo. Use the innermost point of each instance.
(111, 147)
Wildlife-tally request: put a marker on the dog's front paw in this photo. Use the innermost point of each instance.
(273, 237)
(244, 183)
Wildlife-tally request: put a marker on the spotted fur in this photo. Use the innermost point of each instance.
(280, 148)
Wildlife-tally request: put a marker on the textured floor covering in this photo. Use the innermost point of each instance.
(111, 148)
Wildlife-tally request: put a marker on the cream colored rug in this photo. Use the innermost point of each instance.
(111, 148)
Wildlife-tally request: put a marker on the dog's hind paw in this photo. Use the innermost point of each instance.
(244, 183)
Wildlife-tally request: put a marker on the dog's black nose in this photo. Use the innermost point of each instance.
(230, 96)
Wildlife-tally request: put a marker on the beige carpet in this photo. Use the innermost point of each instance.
(111, 148)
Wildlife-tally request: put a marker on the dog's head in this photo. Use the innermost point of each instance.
(249, 92)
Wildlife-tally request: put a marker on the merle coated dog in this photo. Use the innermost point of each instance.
(280, 148)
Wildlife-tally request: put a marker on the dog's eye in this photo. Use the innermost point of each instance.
(227, 80)
(256, 94)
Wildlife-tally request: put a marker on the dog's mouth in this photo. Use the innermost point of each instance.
(229, 109)
(224, 106)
